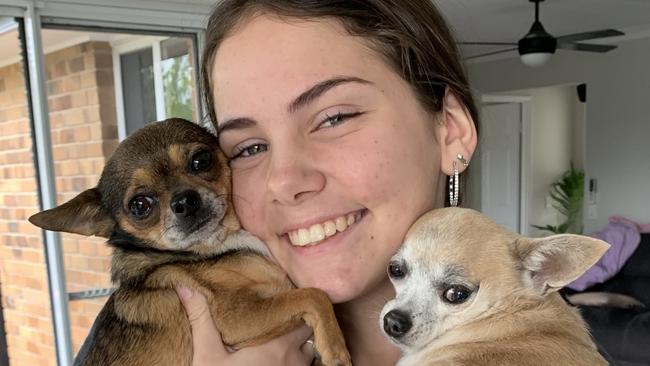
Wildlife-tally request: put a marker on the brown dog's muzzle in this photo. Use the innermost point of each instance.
(190, 211)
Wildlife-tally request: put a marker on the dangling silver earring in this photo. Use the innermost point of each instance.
(454, 182)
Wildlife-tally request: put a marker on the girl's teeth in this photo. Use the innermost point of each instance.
(303, 237)
(318, 232)
(329, 228)
(350, 219)
(341, 223)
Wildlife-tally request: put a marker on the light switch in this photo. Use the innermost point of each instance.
(592, 212)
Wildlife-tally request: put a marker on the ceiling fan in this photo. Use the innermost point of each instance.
(537, 46)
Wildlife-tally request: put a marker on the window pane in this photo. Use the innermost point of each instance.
(138, 89)
(25, 301)
(83, 127)
(98, 84)
(178, 78)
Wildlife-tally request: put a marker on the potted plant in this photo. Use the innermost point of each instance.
(567, 194)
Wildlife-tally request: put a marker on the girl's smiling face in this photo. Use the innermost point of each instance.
(329, 147)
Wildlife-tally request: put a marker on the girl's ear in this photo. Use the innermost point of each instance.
(456, 133)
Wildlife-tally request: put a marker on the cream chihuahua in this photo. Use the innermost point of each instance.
(469, 292)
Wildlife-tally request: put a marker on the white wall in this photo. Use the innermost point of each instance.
(618, 122)
(551, 139)
(556, 136)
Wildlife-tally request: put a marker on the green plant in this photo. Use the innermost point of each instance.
(177, 82)
(568, 194)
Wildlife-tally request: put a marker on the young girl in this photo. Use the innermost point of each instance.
(342, 121)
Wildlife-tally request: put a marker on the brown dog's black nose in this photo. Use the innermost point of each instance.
(397, 323)
(186, 203)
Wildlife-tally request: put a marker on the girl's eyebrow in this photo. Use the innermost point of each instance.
(235, 124)
(302, 100)
(319, 89)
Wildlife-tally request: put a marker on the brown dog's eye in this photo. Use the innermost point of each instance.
(141, 206)
(396, 270)
(457, 294)
(201, 161)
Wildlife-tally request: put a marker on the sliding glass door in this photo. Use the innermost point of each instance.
(74, 81)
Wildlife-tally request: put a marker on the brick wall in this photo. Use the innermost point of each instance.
(84, 132)
(23, 276)
(83, 122)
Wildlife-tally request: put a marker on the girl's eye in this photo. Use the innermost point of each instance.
(250, 150)
(337, 119)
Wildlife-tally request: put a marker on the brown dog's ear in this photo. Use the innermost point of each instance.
(83, 215)
(551, 263)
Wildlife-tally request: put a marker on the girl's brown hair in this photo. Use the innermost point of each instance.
(411, 36)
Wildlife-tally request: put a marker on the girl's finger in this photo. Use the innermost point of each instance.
(206, 340)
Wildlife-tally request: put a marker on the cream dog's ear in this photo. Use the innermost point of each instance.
(83, 215)
(550, 263)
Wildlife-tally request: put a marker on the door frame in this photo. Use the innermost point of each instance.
(525, 151)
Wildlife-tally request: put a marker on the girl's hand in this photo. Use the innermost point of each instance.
(290, 349)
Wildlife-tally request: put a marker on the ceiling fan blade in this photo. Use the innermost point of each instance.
(487, 43)
(490, 53)
(586, 47)
(603, 33)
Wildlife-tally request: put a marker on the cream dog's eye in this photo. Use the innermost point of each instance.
(456, 294)
(396, 270)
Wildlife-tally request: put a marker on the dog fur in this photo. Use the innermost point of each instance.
(164, 203)
(470, 292)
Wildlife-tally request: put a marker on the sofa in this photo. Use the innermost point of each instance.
(624, 334)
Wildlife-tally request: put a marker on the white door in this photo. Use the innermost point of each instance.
(500, 154)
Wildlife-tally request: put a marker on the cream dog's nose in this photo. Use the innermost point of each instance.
(397, 323)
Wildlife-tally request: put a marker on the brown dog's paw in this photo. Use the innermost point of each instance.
(337, 355)
(338, 361)
(330, 345)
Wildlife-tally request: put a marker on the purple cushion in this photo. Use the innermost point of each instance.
(623, 238)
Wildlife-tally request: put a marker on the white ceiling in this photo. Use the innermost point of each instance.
(509, 20)
(53, 40)
(490, 20)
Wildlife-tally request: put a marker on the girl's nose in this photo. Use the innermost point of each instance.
(293, 177)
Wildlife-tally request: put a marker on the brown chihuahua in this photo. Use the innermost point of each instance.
(164, 203)
(470, 292)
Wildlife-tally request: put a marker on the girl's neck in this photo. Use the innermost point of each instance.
(359, 320)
